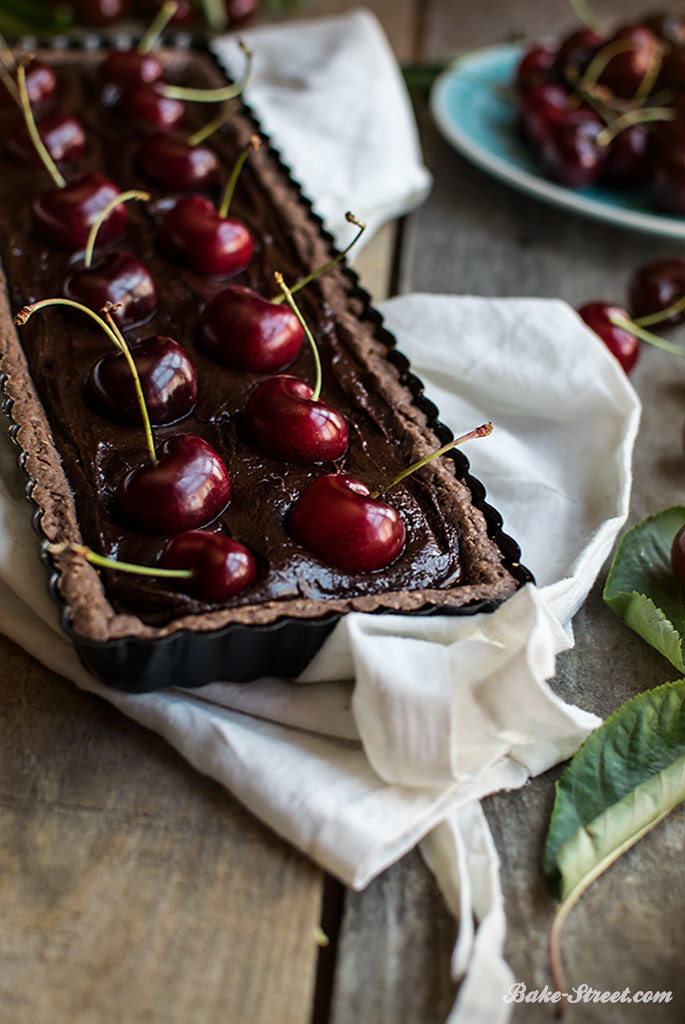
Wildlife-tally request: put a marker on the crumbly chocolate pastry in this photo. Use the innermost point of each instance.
(77, 456)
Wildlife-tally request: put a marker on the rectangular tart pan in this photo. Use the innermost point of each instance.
(238, 652)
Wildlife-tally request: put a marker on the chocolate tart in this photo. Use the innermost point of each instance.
(139, 634)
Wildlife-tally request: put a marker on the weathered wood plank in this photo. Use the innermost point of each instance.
(131, 888)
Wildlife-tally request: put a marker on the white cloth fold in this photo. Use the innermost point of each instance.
(401, 723)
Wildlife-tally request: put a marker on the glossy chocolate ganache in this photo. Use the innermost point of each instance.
(448, 559)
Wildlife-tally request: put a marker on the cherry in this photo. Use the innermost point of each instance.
(240, 329)
(241, 11)
(64, 216)
(673, 68)
(117, 277)
(535, 66)
(149, 107)
(667, 26)
(186, 488)
(625, 72)
(656, 286)
(668, 180)
(628, 163)
(576, 52)
(678, 555)
(537, 107)
(620, 342)
(103, 12)
(336, 519)
(194, 233)
(284, 420)
(173, 163)
(63, 137)
(222, 567)
(574, 153)
(167, 377)
(41, 86)
(128, 68)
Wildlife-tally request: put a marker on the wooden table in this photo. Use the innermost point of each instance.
(134, 891)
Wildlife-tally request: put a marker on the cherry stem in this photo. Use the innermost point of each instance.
(350, 218)
(7, 67)
(157, 26)
(47, 160)
(287, 295)
(123, 197)
(601, 59)
(656, 318)
(649, 79)
(107, 311)
(25, 314)
(642, 115)
(227, 199)
(226, 92)
(582, 11)
(203, 133)
(640, 332)
(482, 431)
(111, 563)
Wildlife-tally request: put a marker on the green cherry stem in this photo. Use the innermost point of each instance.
(287, 295)
(111, 563)
(7, 68)
(350, 218)
(641, 115)
(482, 431)
(123, 197)
(600, 61)
(157, 26)
(208, 129)
(583, 13)
(49, 163)
(640, 332)
(25, 314)
(657, 318)
(227, 198)
(107, 311)
(226, 92)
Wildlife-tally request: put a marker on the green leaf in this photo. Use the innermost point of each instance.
(623, 781)
(642, 589)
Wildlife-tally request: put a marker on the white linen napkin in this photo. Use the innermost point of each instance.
(400, 724)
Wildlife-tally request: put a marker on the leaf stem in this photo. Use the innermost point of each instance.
(111, 563)
(123, 197)
(225, 92)
(126, 352)
(157, 26)
(227, 199)
(48, 162)
(482, 431)
(287, 295)
(350, 218)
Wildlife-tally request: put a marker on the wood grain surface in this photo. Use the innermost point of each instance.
(134, 891)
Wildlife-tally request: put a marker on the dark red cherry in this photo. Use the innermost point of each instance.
(626, 71)
(620, 342)
(656, 286)
(668, 180)
(336, 519)
(169, 161)
(535, 67)
(666, 26)
(673, 68)
(116, 277)
(128, 68)
(537, 107)
(188, 488)
(41, 85)
(167, 377)
(283, 420)
(576, 52)
(573, 154)
(194, 233)
(150, 109)
(628, 162)
(64, 216)
(238, 328)
(102, 12)
(63, 137)
(678, 555)
(241, 11)
(222, 566)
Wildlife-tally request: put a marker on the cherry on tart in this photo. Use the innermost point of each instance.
(209, 566)
(117, 277)
(206, 239)
(41, 84)
(127, 68)
(344, 524)
(103, 12)
(286, 418)
(173, 162)
(65, 215)
(167, 378)
(61, 134)
(238, 328)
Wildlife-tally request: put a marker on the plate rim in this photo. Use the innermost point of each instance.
(526, 181)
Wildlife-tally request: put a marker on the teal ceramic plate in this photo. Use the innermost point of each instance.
(471, 110)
